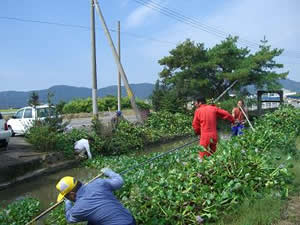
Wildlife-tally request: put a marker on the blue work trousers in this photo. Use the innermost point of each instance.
(237, 129)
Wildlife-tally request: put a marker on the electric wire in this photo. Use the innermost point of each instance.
(190, 21)
(285, 53)
(197, 24)
(85, 28)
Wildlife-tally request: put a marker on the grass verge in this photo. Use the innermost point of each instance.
(268, 211)
(255, 212)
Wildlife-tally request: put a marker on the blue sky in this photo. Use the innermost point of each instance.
(37, 56)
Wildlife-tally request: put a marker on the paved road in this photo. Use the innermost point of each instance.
(18, 153)
(19, 143)
(16, 143)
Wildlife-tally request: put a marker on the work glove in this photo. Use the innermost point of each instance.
(115, 180)
(68, 204)
(106, 171)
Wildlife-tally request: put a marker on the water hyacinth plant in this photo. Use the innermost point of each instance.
(20, 212)
(177, 189)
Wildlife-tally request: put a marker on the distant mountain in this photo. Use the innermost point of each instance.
(18, 99)
(290, 85)
(286, 84)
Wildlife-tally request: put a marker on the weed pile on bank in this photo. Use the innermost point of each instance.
(159, 126)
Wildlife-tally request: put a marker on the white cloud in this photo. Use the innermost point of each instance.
(140, 14)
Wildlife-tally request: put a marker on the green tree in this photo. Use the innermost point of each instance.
(166, 99)
(263, 72)
(157, 95)
(50, 96)
(60, 106)
(191, 69)
(183, 70)
(34, 99)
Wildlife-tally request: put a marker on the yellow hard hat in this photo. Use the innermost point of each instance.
(64, 186)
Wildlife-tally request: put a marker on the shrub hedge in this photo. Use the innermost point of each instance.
(128, 137)
(108, 103)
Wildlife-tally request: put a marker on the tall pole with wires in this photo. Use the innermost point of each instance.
(120, 67)
(94, 65)
(119, 74)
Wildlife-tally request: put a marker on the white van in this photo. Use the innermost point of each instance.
(23, 118)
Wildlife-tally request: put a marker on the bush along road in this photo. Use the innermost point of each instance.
(127, 138)
(177, 189)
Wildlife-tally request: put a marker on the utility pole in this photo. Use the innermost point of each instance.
(119, 74)
(120, 67)
(94, 65)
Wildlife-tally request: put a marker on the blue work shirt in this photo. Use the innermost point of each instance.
(96, 203)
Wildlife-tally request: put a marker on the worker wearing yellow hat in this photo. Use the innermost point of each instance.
(94, 202)
(65, 186)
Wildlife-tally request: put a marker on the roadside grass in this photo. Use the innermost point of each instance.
(296, 170)
(7, 113)
(268, 211)
(291, 211)
(8, 110)
(255, 212)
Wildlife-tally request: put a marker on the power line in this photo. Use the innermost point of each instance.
(112, 30)
(189, 21)
(83, 27)
(145, 38)
(195, 23)
(176, 15)
(45, 22)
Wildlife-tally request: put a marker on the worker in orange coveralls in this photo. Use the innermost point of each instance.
(205, 124)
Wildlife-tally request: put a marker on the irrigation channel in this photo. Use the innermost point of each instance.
(43, 188)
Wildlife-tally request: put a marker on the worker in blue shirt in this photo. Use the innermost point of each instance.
(94, 202)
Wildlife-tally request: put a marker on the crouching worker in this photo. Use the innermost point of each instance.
(116, 119)
(94, 202)
(82, 147)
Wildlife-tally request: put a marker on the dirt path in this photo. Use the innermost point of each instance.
(291, 214)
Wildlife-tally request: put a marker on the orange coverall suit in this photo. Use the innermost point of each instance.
(205, 124)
